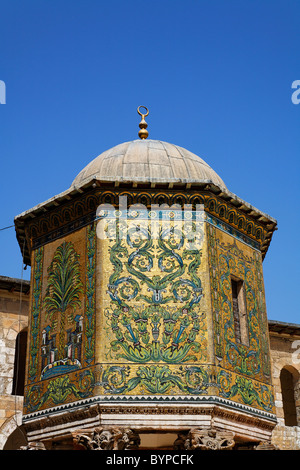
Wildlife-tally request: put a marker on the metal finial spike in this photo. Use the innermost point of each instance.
(143, 133)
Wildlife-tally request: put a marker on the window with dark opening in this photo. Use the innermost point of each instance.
(239, 311)
(288, 398)
(20, 364)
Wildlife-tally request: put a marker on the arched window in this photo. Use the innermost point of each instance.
(288, 389)
(20, 363)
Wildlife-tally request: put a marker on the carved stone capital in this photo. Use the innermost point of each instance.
(209, 439)
(107, 439)
(182, 441)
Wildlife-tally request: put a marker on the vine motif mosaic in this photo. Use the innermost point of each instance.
(188, 380)
(114, 381)
(247, 391)
(59, 390)
(155, 293)
(155, 379)
(35, 314)
(227, 259)
(90, 305)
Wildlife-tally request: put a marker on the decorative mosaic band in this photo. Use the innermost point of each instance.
(74, 215)
(232, 231)
(171, 401)
(148, 382)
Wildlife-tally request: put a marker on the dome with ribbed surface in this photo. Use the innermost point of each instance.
(148, 161)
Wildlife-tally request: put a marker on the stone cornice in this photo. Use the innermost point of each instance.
(67, 423)
(76, 207)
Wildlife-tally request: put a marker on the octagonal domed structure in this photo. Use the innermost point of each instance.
(150, 341)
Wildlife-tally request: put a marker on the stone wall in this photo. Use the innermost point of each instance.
(13, 319)
(285, 354)
(286, 437)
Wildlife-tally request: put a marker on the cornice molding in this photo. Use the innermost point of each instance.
(73, 209)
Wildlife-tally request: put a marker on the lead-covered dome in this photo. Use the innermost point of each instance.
(147, 161)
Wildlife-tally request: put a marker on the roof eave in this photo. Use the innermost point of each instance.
(93, 182)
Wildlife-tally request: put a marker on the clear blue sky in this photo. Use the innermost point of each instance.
(215, 74)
